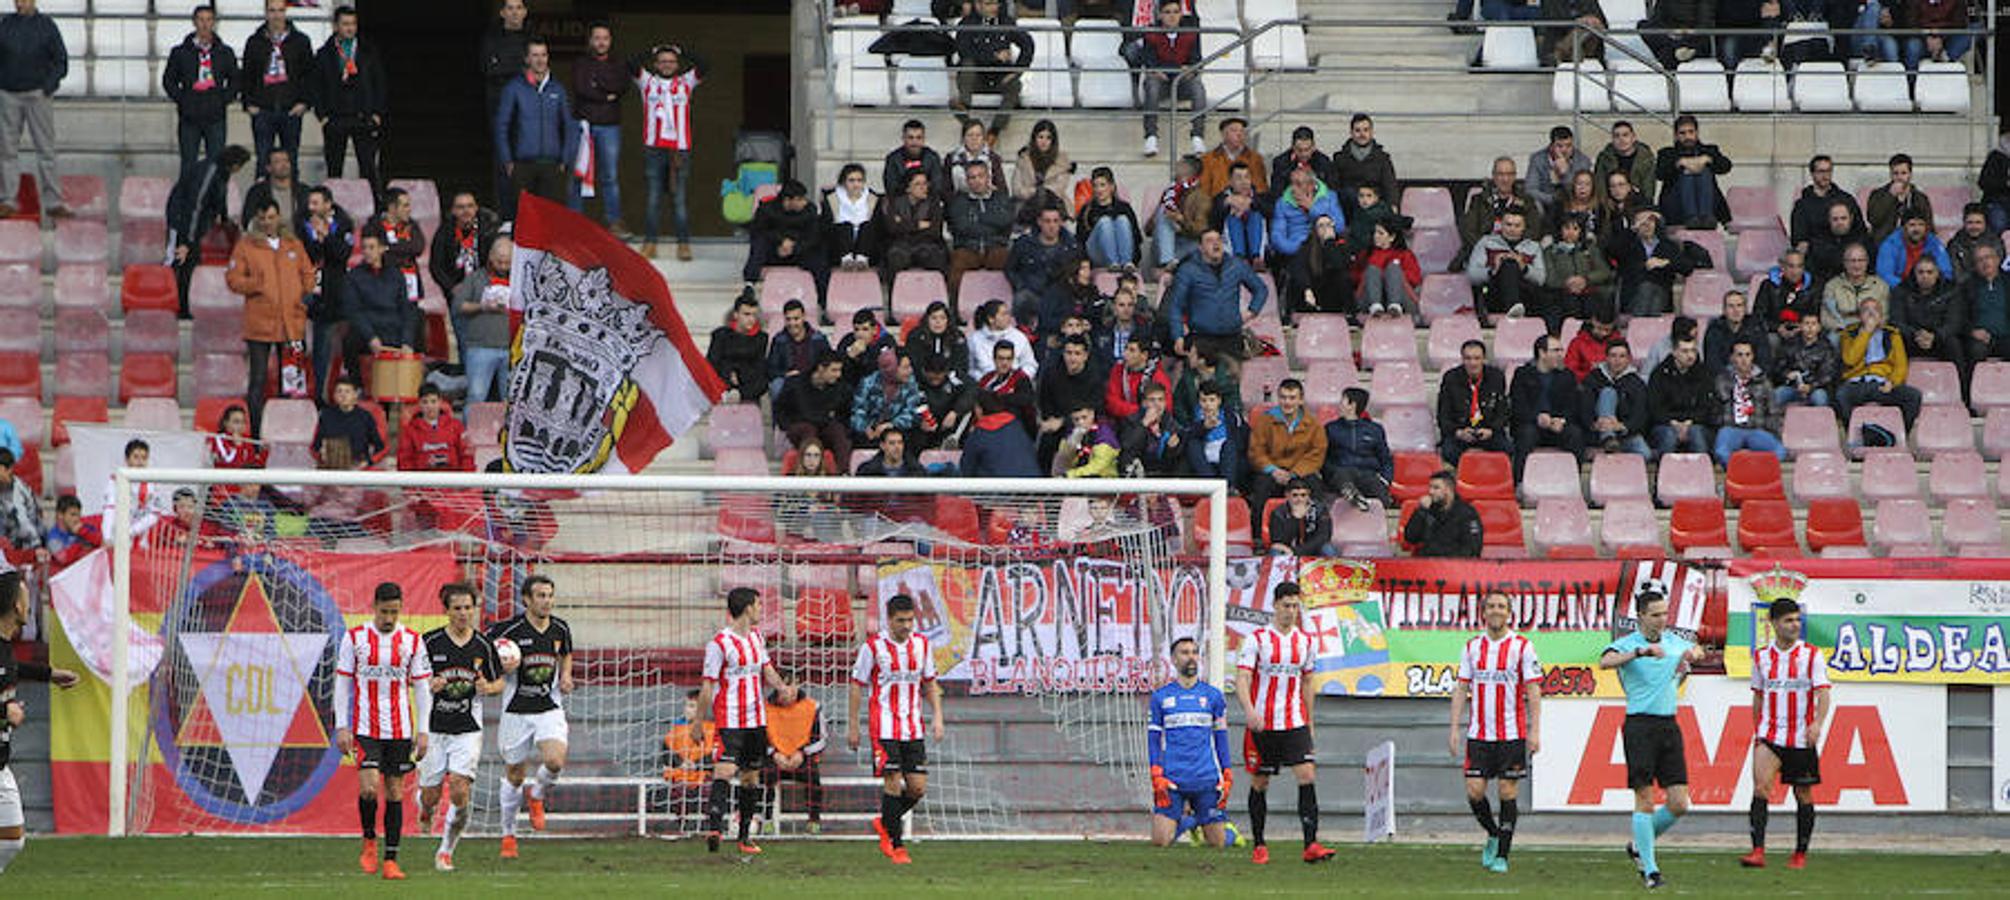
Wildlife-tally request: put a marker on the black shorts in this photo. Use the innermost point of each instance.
(1505, 760)
(1798, 765)
(1271, 752)
(746, 748)
(906, 757)
(388, 757)
(1654, 752)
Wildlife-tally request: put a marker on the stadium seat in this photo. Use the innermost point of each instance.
(1413, 474)
(1943, 428)
(1643, 332)
(148, 287)
(1325, 380)
(1500, 523)
(1889, 473)
(142, 241)
(1514, 341)
(26, 415)
(740, 461)
(914, 290)
(851, 292)
(1259, 380)
(80, 241)
(1899, 523)
(1486, 475)
(921, 81)
(1396, 384)
(979, 286)
(1047, 81)
(484, 422)
(1445, 295)
(745, 518)
(1957, 474)
(1637, 88)
(1389, 339)
(1758, 251)
(736, 425)
(143, 375)
(1699, 522)
(1580, 87)
(1429, 207)
(1547, 475)
(21, 286)
(1225, 79)
(209, 292)
(1753, 475)
(1280, 46)
(1704, 86)
(1683, 476)
(1712, 241)
(1239, 535)
(153, 414)
(1769, 524)
(85, 196)
(862, 81)
(1760, 86)
(20, 242)
(1882, 87)
(152, 331)
(354, 195)
(77, 331)
(1446, 336)
(1361, 534)
(285, 420)
(1629, 529)
(824, 616)
(143, 197)
(1323, 337)
(1703, 293)
(956, 516)
(1752, 208)
(1105, 80)
(209, 412)
(85, 410)
(79, 287)
(1832, 521)
(1967, 522)
(1996, 432)
(1563, 529)
(1809, 429)
(1435, 248)
(1821, 475)
(21, 375)
(21, 330)
(83, 375)
(1409, 426)
(1989, 386)
(1821, 87)
(219, 332)
(780, 284)
(220, 374)
(1937, 381)
(1943, 87)
(1887, 416)
(1616, 477)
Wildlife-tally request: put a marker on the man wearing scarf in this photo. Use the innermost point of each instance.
(351, 100)
(739, 352)
(201, 78)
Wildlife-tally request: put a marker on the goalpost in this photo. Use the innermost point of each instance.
(1051, 605)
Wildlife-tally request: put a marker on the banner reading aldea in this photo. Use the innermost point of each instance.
(1935, 621)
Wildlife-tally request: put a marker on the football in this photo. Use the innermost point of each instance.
(507, 653)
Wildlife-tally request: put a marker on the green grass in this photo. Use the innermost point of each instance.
(562, 870)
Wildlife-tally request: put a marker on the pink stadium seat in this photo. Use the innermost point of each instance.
(1711, 240)
(85, 196)
(1486, 475)
(209, 293)
(851, 292)
(1900, 523)
(83, 375)
(736, 425)
(1996, 432)
(20, 330)
(1549, 475)
(1408, 427)
(1703, 295)
(1446, 336)
(1889, 473)
(20, 242)
(1396, 384)
(1388, 340)
(1821, 475)
(1753, 208)
(1943, 428)
(1563, 528)
(740, 461)
(21, 286)
(1968, 522)
(780, 284)
(1616, 477)
(1324, 336)
(354, 195)
(1936, 380)
(144, 197)
(1435, 248)
(78, 331)
(219, 331)
(82, 241)
(1443, 295)
(220, 375)
(148, 287)
(30, 423)
(1643, 332)
(1630, 530)
(1259, 380)
(142, 375)
(82, 410)
(484, 421)
(914, 290)
(1358, 533)
(80, 287)
(288, 420)
(979, 285)
(1833, 521)
(153, 331)
(1947, 204)
(1809, 429)
(1429, 207)
(1758, 252)
(153, 414)
(1326, 379)
(1685, 476)
(1990, 387)
(1887, 416)
(1957, 474)
(1514, 341)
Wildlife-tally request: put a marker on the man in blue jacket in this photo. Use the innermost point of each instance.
(997, 446)
(33, 63)
(1207, 300)
(1358, 465)
(535, 132)
(1906, 246)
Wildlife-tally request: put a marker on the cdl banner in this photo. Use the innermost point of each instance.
(1884, 749)
(1934, 621)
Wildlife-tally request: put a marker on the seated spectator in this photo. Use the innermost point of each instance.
(1506, 268)
(1551, 169)
(1579, 200)
(1810, 216)
(1184, 211)
(1217, 439)
(1788, 288)
(1076, 325)
(1065, 385)
(1035, 258)
(1682, 402)
(1680, 328)
(1043, 176)
(232, 446)
(795, 348)
(1906, 247)
(990, 59)
(886, 399)
(376, 303)
(913, 155)
(795, 749)
(1733, 326)
(1200, 369)
(1843, 293)
(1680, 33)
(1206, 313)
(1616, 211)
(1587, 347)
(1649, 262)
(1628, 155)
(1390, 273)
(1874, 366)
(1304, 153)
(10, 440)
(1123, 391)
(1111, 226)
(851, 220)
(1825, 251)
(1126, 319)
(1286, 443)
(1988, 302)
(1444, 524)
(892, 460)
(431, 439)
(1891, 204)
(937, 337)
(997, 446)
(1321, 272)
(1234, 148)
(787, 231)
(1500, 195)
(1576, 276)
(1871, 17)
(980, 227)
(1808, 364)
(481, 303)
(1613, 402)
(991, 327)
(1149, 439)
(738, 351)
(1291, 226)
(1733, 49)
(689, 759)
(1746, 419)
(1688, 173)
(861, 348)
(1088, 448)
(1472, 405)
(1559, 44)
(1937, 16)
(1242, 217)
(1071, 294)
(1161, 54)
(1366, 207)
(814, 405)
(1927, 310)
(976, 148)
(69, 538)
(20, 515)
(1011, 383)
(1974, 233)
(1542, 405)
(912, 225)
(1358, 463)
(346, 435)
(1298, 526)
(947, 397)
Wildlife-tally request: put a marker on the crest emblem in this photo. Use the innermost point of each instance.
(570, 368)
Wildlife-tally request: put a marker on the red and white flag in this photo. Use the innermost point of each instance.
(603, 374)
(582, 162)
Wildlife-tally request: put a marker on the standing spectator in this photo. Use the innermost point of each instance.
(1988, 295)
(481, 304)
(1682, 402)
(991, 56)
(861, 347)
(350, 99)
(665, 86)
(787, 231)
(1688, 172)
(1845, 292)
(1472, 405)
(912, 224)
(599, 81)
(1508, 267)
(1286, 444)
(20, 512)
(1043, 176)
(1994, 181)
(913, 154)
(996, 446)
(980, 227)
(1682, 33)
(381, 316)
(404, 239)
(1788, 288)
(1808, 365)
(1587, 348)
(1242, 217)
(1626, 153)
(1736, 324)
(459, 249)
(1123, 390)
(1938, 16)
(1895, 201)
(937, 337)
(1974, 233)
(277, 183)
(1576, 277)
(1810, 215)
(201, 77)
(1035, 259)
(851, 220)
(271, 270)
(1291, 227)
(1825, 249)
(1298, 526)
(1745, 413)
(1358, 465)
(1234, 148)
(886, 400)
(1362, 160)
(1148, 440)
(795, 348)
(1613, 402)
(431, 439)
(1904, 248)
(534, 131)
(814, 406)
(1163, 52)
(1927, 310)
(1217, 440)
(1542, 405)
(1390, 274)
(738, 351)
(504, 46)
(1649, 262)
(1108, 224)
(196, 203)
(1500, 195)
(1205, 313)
(1304, 153)
(277, 71)
(1551, 169)
(330, 237)
(1874, 366)
(976, 147)
(1182, 214)
(1321, 270)
(1444, 524)
(33, 63)
(990, 327)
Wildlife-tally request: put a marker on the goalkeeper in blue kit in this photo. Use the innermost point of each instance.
(1187, 742)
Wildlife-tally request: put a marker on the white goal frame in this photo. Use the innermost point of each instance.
(119, 536)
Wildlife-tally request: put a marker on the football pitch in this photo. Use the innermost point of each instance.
(230, 867)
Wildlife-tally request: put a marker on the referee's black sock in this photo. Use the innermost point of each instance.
(891, 806)
(1804, 826)
(1259, 806)
(394, 827)
(1484, 811)
(366, 809)
(1510, 814)
(1758, 819)
(715, 805)
(1308, 813)
(750, 801)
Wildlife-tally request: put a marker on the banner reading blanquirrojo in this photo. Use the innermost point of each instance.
(1930, 621)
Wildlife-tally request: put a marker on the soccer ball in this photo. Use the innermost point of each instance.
(507, 652)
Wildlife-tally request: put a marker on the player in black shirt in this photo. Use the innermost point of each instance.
(13, 615)
(465, 667)
(533, 719)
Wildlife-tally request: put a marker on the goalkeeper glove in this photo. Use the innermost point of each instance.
(1161, 787)
(1226, 785)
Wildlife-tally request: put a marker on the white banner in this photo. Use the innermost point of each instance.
(1379, 803)
(82, 595)
(1884, 749)
(2002, 754)
(100, 449)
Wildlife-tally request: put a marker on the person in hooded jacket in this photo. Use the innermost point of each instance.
(1358, 464)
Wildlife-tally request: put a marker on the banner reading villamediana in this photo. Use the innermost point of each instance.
(1934, 621)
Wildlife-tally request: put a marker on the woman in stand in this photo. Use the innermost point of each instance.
(1043, 167)
(851, 220)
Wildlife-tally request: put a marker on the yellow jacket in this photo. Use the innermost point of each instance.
(1856, 344)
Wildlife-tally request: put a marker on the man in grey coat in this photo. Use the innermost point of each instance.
(33, 64)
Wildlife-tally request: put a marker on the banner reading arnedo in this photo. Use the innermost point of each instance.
(1932, 621)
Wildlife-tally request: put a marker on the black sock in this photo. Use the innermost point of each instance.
(394, 827)
(1510, 814)
(750, 801)
(1308, 812)
(366, 809)
(908, 802)
(1758, 819)
(715, 806)
(1484, 811)
(1804, 826)
(1259, 806)
(891, 806)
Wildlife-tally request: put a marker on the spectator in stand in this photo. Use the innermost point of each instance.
(1587, 347)
(1926, 309)
(1037, 257)
(1974, 233)
(1500, 195)
(1560, 44)
(1551, 169)
(861, 348)
(666, 88)
(1162, 53)
(1322, 269)
(1745, 414)
(1891, 204)
(404, 239)
(947, 397)
(1203, 368)
(1578, 199)
(1242, 217)
(892, 460)
(1874, 366)
(1576, 276)
(1681, 33)
(787, 231)
(460, 251)
(991, 58)
(851, 221)
(1988, 296)
(1939, 16)
(980, 226)
(69, 539)
(1234, 148)
(1688, 173)
(1358, 463)
(33, 64)
(738, 351)
(1070, 383)
(1627, 154)
(1733, 49)
(380, 315)
(1183, 213)
(1217, 439)
(795, 348)
(346, 435)
(937, 336)
(1680, 328)
(278, 66)
(350, 93)
(1682, 402)
(1811, 213)
(886, 399)
(996, 446)
(1012, 383)
(1995, 184)
(1825, 250)
(1205, 313)
(329, 236)
(1736, 324)
(1808, 364)
(535, 133)
(1070, 294)
(1362, 160)
(503, 47)
(1368, 207)
(270, 269)
(481, 304)
(1649, 262)
(1472, 405)
(976, 148)
(1613, 402)
(1123, 390)
(1304, 153)
(1873, 16)
(1904, 248)
(1088, 447)
(1109, 225)
(913, 155)
(1787, 288)
(1043, 176)
(1617, 208)
(195, 204)
(1542, 405)
(689, 761)
(912, 224)
(1444, 524)
(599, 81)
(276, 183)
(1298, 526)
(1390, 273)
(1291, 227)
(431, 440)
(1126, 320)
(1286, 444)
(232, 446)
(992, 326)
(201, 77)
(1506, 268)
(1149, 440)
(1845, 292)
(20, 514)
(9, 438)
(814, 407)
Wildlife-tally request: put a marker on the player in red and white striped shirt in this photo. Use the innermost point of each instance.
(1790, 701)
(383, 698)
(1500, 675)
(894, 672)
(737, 672)
(1272, 676)
(665, 86)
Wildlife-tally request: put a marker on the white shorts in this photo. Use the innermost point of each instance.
(10, 801)
(519, 734)
(456, 754)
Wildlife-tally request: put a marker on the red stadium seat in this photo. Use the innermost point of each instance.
(1486, 475)
(1900, 523)
(84, 375)
(21, 375)
(146, 375)
(143, 241)
(149, 287)
(78, 331)
(1699, 523)
(1832, 522)
(21, 286)
(1769, 524)
(144, 197)
(152, 331)
(1446, 336)
(85, 195)
(1324, 337)
(1413, 474)
(80, 287)
(1618, 476)
(746, 518)
(739, 461)
(29, 467)
(1684, 476)
(1758, 252)
(1943, 428)
(209, 412)
(1500, 520)
(21, 242)
(1821, 475)
(1388, 340)
(1514, 341)
(1753, 475)
(956, 516)
(1996, 432)
(1549, 475)
(1563, 529)
(209, 293)
(1630, 530)
(87, 410)
(1889, 474)
(1238, 524)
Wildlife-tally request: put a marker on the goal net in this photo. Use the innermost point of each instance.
(1051, 606)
